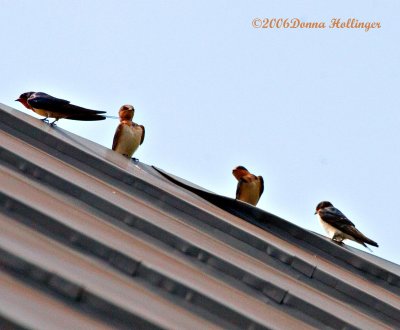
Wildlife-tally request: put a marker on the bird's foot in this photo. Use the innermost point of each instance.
(45, 120)
(135, 160)
(53, 124)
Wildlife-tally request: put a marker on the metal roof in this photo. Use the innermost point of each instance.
(90, 239)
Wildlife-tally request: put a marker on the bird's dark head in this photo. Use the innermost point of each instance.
(23, 98)
(126, 112)
(322, 205)
(239, 171)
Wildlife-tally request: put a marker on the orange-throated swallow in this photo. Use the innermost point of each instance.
(128, 135)
(338, 226)
(250, 187)
(52, 107)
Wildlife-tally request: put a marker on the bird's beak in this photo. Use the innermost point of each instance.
(315, 212)
(17, 99)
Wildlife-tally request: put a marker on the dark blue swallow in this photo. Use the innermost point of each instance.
(52, 107)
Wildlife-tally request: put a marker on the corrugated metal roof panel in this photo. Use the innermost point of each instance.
(84, 279)
(130, 231)
(116, 245)
(30, 308)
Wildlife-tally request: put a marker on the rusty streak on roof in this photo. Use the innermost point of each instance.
(95, 240)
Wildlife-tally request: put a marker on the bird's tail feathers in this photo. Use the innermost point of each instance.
(362, 239)
(370, 241)
(87, 117)
(75, 109)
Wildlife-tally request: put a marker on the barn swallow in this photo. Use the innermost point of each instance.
(250, 187)
(338, 226)
(52, 107)
(128, 135)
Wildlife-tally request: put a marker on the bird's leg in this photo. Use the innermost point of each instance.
(54, 122)
(337, 239)
(45, 120)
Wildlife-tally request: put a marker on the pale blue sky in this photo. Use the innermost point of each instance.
(316, 112)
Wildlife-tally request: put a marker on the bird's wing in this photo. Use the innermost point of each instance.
(261, 185)
(239, 185)
(338, 220)
(335, 218)
(47, 102)
(142, 139)
(117, 135)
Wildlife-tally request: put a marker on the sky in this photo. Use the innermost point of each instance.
(315, 111)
